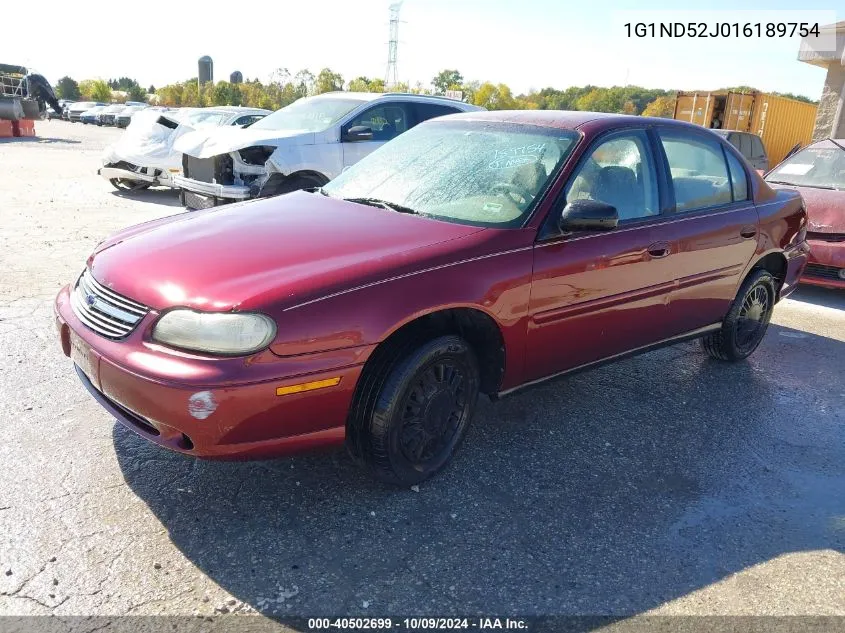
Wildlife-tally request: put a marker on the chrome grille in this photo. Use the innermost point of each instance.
(107, 313)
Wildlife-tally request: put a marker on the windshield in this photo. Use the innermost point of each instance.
(202, 119)
(821, 165)
(469, 172)
(312, 114)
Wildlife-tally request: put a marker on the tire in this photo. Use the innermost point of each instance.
(413, 408)
(746, 322)
(121, 184)
(277, 186)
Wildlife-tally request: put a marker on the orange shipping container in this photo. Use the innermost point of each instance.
(780, 122)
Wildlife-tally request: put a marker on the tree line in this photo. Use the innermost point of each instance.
(285, 87)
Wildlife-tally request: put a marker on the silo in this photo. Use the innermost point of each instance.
(206, 69)
(236, 77)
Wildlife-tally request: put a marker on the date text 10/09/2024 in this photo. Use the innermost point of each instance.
(417, 624)
(721, 29)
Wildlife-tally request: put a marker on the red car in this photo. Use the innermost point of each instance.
(479, 252)
(818, 172)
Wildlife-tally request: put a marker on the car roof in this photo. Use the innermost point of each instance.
(570, 119)
(373, 96)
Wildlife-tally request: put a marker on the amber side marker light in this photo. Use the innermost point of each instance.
(307, 386)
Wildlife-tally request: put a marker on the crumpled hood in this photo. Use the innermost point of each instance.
(825, 208)
(215, 141)
(268, 253)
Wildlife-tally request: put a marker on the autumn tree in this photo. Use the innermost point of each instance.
(100, 90)
(661, 107)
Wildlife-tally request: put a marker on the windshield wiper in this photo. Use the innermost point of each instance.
(839, 145)
(384, 204)
(792, 184)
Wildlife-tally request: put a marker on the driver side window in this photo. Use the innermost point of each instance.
(620, 172)
(387, 121)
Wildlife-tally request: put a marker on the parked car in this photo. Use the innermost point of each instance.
(123, 118)
(107, 115)
(480, 252)
(76, 110)
(90, 116)
(749, 145)
(144, 155)
(303, 145)
(818, 172)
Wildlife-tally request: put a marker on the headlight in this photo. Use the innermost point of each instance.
(215, 332)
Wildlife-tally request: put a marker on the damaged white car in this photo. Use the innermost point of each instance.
(145, 155)
(305, 144)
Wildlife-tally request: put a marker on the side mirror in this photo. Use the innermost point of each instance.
(588, 215)
(358, 133)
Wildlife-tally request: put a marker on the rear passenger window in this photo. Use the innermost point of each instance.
(699, 172)
(426, 111)
(738, 180)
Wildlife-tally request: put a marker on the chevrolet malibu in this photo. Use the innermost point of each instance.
(476, 253)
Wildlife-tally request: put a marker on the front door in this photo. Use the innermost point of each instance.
(597, 294)
(386, 121)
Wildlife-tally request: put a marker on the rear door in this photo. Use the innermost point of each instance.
(711, 227)
(386, 120)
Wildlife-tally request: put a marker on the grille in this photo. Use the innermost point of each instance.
(822, 272)
(107, 313)
(217, 169)
(197, 202)
(107, 118)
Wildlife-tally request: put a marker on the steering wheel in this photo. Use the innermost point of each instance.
(517, 194)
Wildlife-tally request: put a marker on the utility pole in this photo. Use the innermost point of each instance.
(392, 76)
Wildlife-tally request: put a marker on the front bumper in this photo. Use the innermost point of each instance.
(212, 407)
(211, 189)
(116, 172)
(827, 261)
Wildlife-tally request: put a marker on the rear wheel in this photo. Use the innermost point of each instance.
(747, 320)
(412, 411)
(122, 184)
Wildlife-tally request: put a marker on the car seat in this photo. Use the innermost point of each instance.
(618, 186)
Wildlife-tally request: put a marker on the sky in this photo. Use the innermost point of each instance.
(527, 44)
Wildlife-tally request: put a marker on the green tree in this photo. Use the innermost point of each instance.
(67, 88)
(661, 107)
(151, 89)
(327, 81)
(100, 90)
(359, 84)
(222, 93)
(304, 82)
(447, 80)
(136, 93)
(86, 86)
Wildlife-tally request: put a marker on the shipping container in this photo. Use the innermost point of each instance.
(782, 123)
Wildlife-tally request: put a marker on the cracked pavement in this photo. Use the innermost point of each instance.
(663, 484)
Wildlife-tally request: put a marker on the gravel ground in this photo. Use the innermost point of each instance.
(664, 484)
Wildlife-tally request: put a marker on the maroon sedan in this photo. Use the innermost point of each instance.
(480, 252)
(818, 172)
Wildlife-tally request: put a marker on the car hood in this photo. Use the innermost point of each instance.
(825, 208)
(210, 142)
(268, 253)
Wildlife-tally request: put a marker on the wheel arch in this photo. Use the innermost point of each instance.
(774, 262)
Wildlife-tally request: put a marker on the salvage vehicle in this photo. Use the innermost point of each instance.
(818, 173)
(76, 110)
(477, 253)
(305, 144)
(749, 145)
(107, 115)
(144, 156)
(122, 119)
(90, 115)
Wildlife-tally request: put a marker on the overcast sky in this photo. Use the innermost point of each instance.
(523, 43)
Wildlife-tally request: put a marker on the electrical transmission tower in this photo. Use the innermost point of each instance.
(392, 76)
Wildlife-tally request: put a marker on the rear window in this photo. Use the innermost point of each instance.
(699, 172)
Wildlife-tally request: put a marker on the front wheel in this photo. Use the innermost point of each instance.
(425, 402)
(122, 184)
(747, 320)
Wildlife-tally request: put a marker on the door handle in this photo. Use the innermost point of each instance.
(748, 231)
(659, 249)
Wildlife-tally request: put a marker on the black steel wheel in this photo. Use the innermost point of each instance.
(421, 413)
(747, 320)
